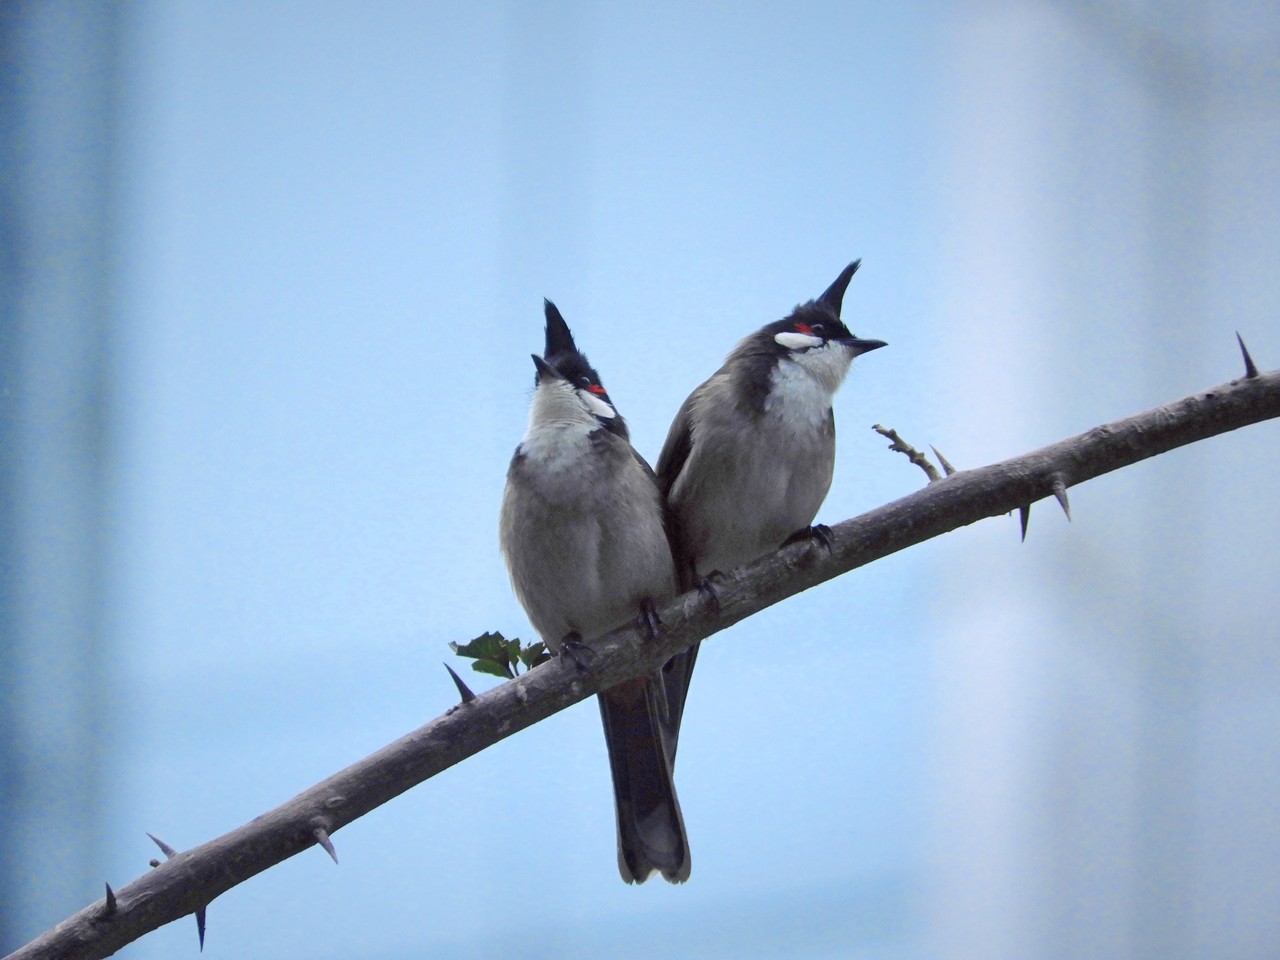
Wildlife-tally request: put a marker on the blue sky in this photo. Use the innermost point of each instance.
(339, 229)
(336, 226)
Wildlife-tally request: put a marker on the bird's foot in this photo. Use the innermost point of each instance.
(648, 620)
(707, 590)
(819, 532)
(576, 652)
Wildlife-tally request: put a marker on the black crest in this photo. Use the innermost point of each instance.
(559, 336)
(572, 364)
(760, 352)
(833, 297)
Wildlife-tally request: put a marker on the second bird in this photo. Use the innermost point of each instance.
(750, 455)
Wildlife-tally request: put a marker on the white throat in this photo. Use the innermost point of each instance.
(802, 385)
(559, 421)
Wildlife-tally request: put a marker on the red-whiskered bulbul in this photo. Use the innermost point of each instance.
(584, 535)
(749, 457)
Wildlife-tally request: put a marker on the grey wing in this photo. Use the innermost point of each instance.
(675, 452)
(644, 465)
(672, 460)
(678, 671)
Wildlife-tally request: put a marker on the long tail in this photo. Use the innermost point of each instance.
(651, 835)
(676, 675)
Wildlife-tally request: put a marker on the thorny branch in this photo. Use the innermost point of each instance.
(188, 881)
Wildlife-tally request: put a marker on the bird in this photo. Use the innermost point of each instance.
(749, 458)
(583, 532)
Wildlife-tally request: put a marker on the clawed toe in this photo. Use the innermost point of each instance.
(819, 532)
(648, 619)
(577, 652)
(707, 589)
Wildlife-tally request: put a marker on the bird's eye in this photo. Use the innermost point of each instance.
(584, 381)
(818, 329)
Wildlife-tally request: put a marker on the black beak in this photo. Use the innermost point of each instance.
(545, 370)
(864, 346)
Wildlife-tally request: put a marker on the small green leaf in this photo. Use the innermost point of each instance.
(492, 667)
(494, 654)
(489, 653)
(490, 646)
(534, 654)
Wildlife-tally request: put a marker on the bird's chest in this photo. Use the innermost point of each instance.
(758, 489)
(786, 471)
(798, 405)
(556, 456)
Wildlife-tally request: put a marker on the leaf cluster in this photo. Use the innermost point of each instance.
(494, 654)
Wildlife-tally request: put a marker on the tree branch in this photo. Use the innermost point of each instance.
(188, 881)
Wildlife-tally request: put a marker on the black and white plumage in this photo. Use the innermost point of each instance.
(749, 458)
(583, 532)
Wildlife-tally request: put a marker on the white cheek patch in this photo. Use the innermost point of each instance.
(796, 341)
(596, 405)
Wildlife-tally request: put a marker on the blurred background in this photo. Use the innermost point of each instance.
(272, 273)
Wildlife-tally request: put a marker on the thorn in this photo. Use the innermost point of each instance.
(463, 690)
(109, 908)
(168, 851)
(947, 468)
(322, 838)
(1024, 515)
(1250, 369)
(153, 862)
(1060, 491)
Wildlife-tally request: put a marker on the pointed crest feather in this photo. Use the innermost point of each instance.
(833, 296)
(559, 339)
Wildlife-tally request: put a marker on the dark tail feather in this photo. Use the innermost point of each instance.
(676, 675)
(651, 833)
